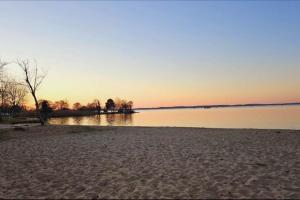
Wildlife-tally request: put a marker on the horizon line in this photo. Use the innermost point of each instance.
(219, 105)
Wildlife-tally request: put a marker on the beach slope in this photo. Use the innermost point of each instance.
(140, 162)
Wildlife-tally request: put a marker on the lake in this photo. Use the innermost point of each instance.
(270, 117)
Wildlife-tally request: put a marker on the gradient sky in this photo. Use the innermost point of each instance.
(158, 53)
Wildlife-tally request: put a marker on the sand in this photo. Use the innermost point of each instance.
(141, 162)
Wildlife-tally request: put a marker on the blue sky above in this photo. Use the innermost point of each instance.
(159, 52)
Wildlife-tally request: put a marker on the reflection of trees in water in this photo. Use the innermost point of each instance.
(111, 119)
(95, 120)
(61, 120)
(119, 119)
(77, 120)
(87, 120)
(127, 119)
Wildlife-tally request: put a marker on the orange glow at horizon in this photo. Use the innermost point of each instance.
(168, 101)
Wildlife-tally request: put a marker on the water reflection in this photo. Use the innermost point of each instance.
(285, 117)
(110, 119)
(61, 120)
(96, 119)
(77, 120)
(119, 119)
(105, 120)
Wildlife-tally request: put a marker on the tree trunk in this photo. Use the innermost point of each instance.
(38, 110)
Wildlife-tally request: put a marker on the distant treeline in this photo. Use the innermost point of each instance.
(117, 105)
(62, 108)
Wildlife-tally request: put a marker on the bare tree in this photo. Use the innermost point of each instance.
(2, 64)
(77, 106)
(33, 79)
(3, 85)
(118, 103)
(97, 106)
(61, 105)
(123, 106)
(3, 93)
(130, 105)
(16, 93)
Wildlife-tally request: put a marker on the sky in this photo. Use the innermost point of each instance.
(158, 53)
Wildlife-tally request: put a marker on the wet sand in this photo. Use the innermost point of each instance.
(141, 162)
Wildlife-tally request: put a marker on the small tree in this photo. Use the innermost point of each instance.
(126, 106)
(50, 104)
(98, 106)
(33, 79)
(4, 93)
(94, 106)
(3, 88)
(45, 110)
(16, 93)
(76, 106)
(130, 105)
(118, 103)
(3, 84)
(61, 105)
(110, 105)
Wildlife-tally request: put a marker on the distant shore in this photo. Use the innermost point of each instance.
(143, 162)
(220, 106)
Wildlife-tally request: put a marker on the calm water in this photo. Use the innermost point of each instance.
(281, 117)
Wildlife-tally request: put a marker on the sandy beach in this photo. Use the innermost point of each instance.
(140, 162)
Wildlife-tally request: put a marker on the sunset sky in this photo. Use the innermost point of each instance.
(158, 53)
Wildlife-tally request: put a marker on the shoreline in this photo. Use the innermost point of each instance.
(36, 123)
(180, 127)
